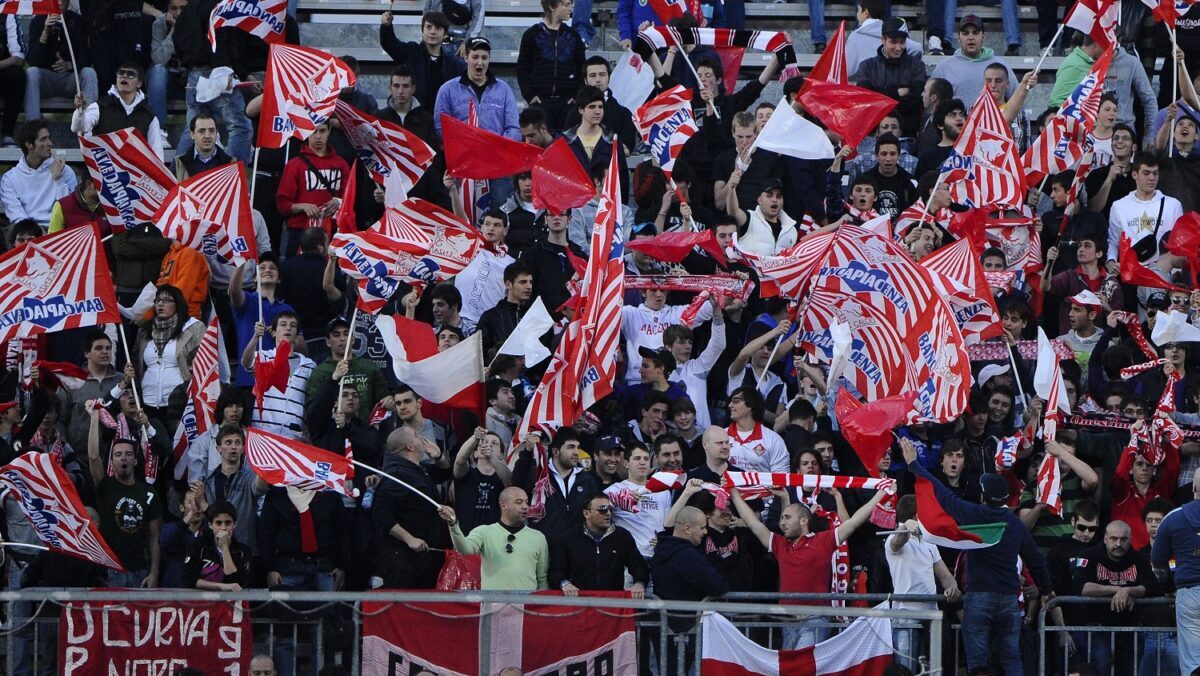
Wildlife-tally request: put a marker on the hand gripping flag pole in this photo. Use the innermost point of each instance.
(346, 358)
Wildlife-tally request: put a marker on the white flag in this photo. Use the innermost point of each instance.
(1173, 327)
(790, 134)
(523, 341)
(632, 81)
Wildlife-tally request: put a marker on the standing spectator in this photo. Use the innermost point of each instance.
(416, 115)
(1074, 68)
(303, 539)
(218, 561)
(550, 62)
(1127, 78)
(568, 483)
(863, 43)
(310, 191)
(996, 80)
(166, 344)
(514, 556)
(29, 190)
(591, 142)
(895, 187)
(964, 69)
(51, 72)
(481, 283)
(466, 18)
(1177, 550)
(1117, 572)
(124, 106)
(949, 118)
(310, 281)
(480, 474)
(281, 412)
(498, 323)
(1106, 185)
(691, 373)
(501, 418)
(206, 154)
(102, 382)
(550, 261)
(1145, 216)
(12, 78)
(350, 372)
(759, 166)
(197, 56)
(249, 306)
(130, 513)
(234, 482)
(598, 556)
(895, 71)
(166, 74)
(651, 508)
(617, 118)
(431, 62)
(406, 523)
(631, 14)
(935, 91)
(914, 565)
(755, 447)
(1065, 562)
(767, 229)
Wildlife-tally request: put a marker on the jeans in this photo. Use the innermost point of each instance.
(44, 83)
(160, 84)
(131, 579)
(19, 612)
(228, 108)
(816, 15)
(934, 8)
(581, 21)
(805, 632)
(1008, 15)
(1187, 623)
(906, 644)
(992, 619)
(1160, 655)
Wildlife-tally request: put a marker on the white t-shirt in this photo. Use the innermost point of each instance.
(912, 570)
(1139, 219)
(648, 521)
(643, 327)
(759, 450)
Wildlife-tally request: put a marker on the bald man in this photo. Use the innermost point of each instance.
(405, 523)
(515, 557)
(1116, 572)
(1178, 540)
(717, 446)
(262, 665)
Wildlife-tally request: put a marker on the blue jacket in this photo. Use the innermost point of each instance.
(1179, 538)
(497, 110)
(631, 14)
(992, 569)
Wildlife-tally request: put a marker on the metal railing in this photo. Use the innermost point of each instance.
(299, 626)
(1108, 644)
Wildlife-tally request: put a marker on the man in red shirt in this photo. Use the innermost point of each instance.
(805, 558)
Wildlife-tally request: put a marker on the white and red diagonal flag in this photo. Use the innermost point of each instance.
(665, 481)
(1048, 384)
(1097, 18)
(287, 462)
(131, 180)
(384, 147)
(667, 123)
(793, 270)
(61, 374)
(300, 92)
(1084, 101)
(983, 168)
(862, 649)
(1063, 141)
(603, 292)
(1049, 484)
(959, 277)
(370, 258)
(199, 411)
(453, 378)
(210, 212)
(45, 493)
(56, 282)
(30, 7)
(917, 213)
(831, 66)
(261, 18)
(433, 244)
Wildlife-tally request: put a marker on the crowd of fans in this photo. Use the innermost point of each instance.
(728, 391)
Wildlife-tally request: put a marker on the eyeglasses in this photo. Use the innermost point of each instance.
(508, 549)
(1135, 411)
(165, 301)
(1086, 529)
(126, 72)
(1179, 300)
(602, 510)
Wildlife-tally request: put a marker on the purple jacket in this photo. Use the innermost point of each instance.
(497, 110)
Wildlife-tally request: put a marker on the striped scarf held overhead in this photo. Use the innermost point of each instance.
(661, 37)
(124, 433)
(759, 484)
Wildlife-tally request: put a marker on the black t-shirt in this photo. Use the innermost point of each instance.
(729, 553)
(477, 499)
(1122, 186)
(893, 194)
(1131, 570)
(1066, 562)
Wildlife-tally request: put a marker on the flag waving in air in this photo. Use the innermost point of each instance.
(432, 244)
(210, 212)
(667, 123)
(603, 290)
(287, 462)
(957, 273)
(130, 178)
(384, 147)
(199, 412)
(56, 282)
(260, 18)
(300, 93)
(44, 491)
(983, 168)
(940, 528)
(30, 7)
(831, 66)
(370, 258)
(1061, 144)
(1097, 18)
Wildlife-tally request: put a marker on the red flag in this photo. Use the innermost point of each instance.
(971, 224)
(272, 374)
(559, 181)
(30, 7)
(211, 211)
(731, 65)
(56, 282)
(472, 152)
(868, 427)
(673, 247)
(263, 19)
(851, 112)
(346, 222)
(666, 10)
(61, 374)
(130, 178)
(1184, 240)
(384, 147)
(831, 67)
(287, 462)
(1133, 272)
(300, 92)
(44, 491)
(1097, 18)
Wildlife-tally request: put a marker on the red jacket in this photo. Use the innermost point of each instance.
(1128, 502)
(301, 185)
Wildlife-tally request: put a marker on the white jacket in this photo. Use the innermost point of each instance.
(82, 122)
(759, 239)
(29, 193)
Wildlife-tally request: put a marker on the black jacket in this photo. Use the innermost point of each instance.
(550, 62)
(279, 529)
(682, 573)
(428, 77)
(888, 76)
(44, 55)
(366, 441)
(616, 118)
(577, 558)
(601, 154)
(204, 555)
(562, 511)
(499, 322)
(191, 38)
(396, 505)
(551, 271)
(114, 118)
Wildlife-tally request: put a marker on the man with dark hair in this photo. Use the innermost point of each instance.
(569, 482)
(30, 189)
(592, 144)
(894, 71)
(617, 118)
(1065, 561)
(651, 420)
(895, 187)
(534, 128)
(415, 114)
(1145, 216)
(481, 283)
(103, 382)
(432, 61)
(935, 91)
(235, 482)
(949, 118)
(1106, 185)
(311, 188)
(1114, 570)
(303, 287)
(501, 418)
(550, 61)
(549, 261)
(446, 302)
(964, 68)
(755, 447)
(206, 153)
(597, 556)
(342, 369)
(497, 323)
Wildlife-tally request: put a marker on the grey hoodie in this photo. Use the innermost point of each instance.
(864, 42)
(965, 74)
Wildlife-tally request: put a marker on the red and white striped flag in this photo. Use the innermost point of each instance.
(260, 18)
(30, 7)
(1049, 484)
(665, 481)
(370, 258)
(286, 462)
(43, 490)
(300, 92)
(1097, 18)
(56, 282)
(384, 147)
(199, 411)
(433, 244)
(666, 123)
(862, 649)
(210, 212)
(603, 292)
(1168, 11)
(61, 374)
(983, 168)
(957, 273)
(918, 213)
(794, 269)
(131, 180)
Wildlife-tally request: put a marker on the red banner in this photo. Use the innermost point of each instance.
(119, 637)
(457, 639)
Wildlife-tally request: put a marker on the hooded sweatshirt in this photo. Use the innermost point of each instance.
(965, 74)
(300, 184)
(31, 193)
(864, 42)
(82, 122)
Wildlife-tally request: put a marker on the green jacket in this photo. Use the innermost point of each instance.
(363, 376)
(1074, 68)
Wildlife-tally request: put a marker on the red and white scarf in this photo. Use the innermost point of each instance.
(121, 425)
(759, 484)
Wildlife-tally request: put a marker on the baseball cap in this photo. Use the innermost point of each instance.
(895, 27)
(1159, 300)
(662, 356)
(772, 184)
(336, 323)
(1086, 299)
(479, 42)
(995, 489)
(646, 229)
(607, 443)
(970, 20)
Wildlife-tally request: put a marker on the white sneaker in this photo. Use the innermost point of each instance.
(935, 46)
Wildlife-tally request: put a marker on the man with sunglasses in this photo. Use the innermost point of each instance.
(124, 106)
(515, 557)
(1065, 562)
(598, 555)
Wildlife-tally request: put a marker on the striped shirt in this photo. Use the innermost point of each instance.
(283, 414)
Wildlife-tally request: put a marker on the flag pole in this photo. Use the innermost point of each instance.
(44, 548)
(389, 477)
(1049, 47)
(1174, 91)
(346, 358)
(137, 399)
(688, 61)
(1016, 372)
(71, 51)
(254, 175)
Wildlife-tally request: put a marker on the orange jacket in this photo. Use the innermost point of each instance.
(187, 270)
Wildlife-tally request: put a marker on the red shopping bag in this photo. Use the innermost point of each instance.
(460, 572)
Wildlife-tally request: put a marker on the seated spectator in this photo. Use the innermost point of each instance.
(124, 106)
(12, 79)
(80, 207)
(30, 190)
(52, 71)
(166, 75)
(206, 154)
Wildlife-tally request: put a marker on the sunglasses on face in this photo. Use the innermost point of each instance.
(603, 510)
(508, 548)
(125, 72)
(1086, 529)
